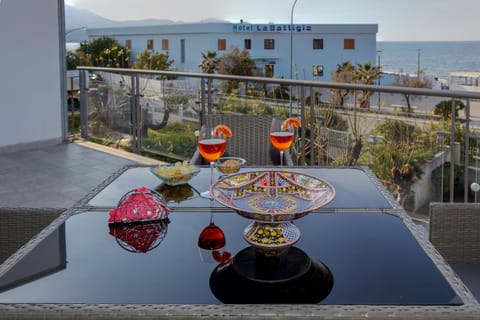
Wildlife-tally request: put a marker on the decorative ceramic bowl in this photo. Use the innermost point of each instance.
(229, 165)
(272, 196)
(272, 199)
(173, 177)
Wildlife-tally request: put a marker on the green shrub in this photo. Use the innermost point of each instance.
(176, 140)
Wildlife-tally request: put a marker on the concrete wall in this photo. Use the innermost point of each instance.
(32, 75)
(424, 191)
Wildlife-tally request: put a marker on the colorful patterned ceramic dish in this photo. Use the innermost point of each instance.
(272, 196)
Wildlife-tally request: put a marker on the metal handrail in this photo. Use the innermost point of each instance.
(304, 83)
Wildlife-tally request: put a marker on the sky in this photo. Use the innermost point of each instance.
(398, 20)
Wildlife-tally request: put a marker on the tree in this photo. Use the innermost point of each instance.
(103, 52)
(361, 73)
(345, 73)
(396, 161)
(366, 74)
(281, 92)
(152, 60)
(444, 108)
(237, 63)
(73, 60)
(209, 62)
(418, 81)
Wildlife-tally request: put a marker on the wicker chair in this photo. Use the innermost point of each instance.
(250, 139)
(19, 225)
(455, 231)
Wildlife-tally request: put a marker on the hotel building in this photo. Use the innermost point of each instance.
(315, 52)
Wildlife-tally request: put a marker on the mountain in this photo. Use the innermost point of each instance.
(76, 18)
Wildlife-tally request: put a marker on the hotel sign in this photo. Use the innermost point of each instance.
(246, 27)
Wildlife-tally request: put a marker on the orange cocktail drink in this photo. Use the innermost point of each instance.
(212, 149)
(281, 140)
(282, 134)
(212, 145)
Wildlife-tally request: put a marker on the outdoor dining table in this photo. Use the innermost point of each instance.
(360, 250)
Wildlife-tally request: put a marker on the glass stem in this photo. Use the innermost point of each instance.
(211, 173)
(281, 159)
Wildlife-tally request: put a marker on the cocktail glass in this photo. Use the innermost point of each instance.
(280, 137)
(211, 148)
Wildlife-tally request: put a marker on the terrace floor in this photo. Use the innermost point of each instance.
(58, 176)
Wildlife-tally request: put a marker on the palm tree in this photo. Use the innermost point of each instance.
(344, 73)
(209, 62)
(366, 74)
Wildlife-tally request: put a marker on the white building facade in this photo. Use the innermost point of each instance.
(315, 52)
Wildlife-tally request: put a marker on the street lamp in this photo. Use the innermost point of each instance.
(73, 30)
(418, 63)
(291, 52)
(379, 53)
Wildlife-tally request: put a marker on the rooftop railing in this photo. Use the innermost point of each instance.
(159, 111)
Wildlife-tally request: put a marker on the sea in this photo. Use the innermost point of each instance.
(436, 59)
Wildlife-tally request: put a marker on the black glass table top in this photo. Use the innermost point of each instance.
(353, 186)
(345, 258)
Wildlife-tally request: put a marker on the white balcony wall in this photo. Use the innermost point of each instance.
(32, 76)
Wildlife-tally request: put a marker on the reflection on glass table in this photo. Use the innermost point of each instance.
(354, 187)
(252, 277)
(373, 259)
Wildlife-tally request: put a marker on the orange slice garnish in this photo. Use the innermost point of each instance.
(222, 131)
(294, 121)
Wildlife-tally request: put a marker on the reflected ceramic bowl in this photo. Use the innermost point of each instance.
(229, 165)
(173, 177)
(271, 235)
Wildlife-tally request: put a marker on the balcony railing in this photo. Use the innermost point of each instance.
(159, 111)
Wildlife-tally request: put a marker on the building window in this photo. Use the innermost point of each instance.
(348, 44)
(318, 71)
(128, 44)
(182, 51)
(165, 44)
(269, 44)
(149, 44)
(248, 44)
(268, 70)
(317, 44)
(222, 44)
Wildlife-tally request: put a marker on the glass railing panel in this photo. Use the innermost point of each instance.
(110, 109)
(342, 124)
(170, 116)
